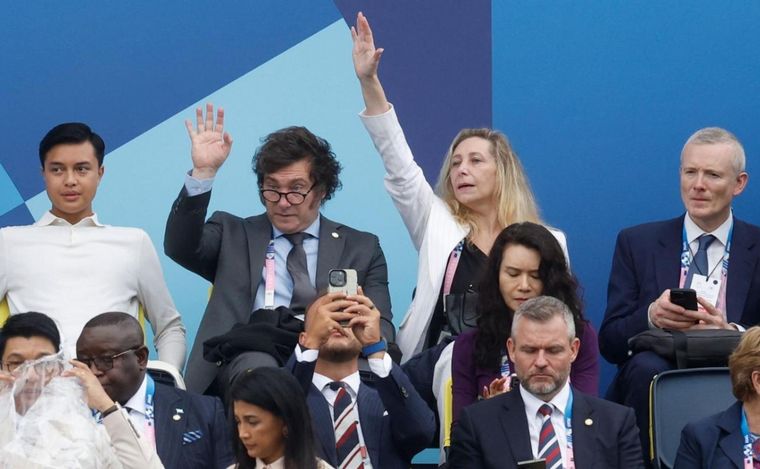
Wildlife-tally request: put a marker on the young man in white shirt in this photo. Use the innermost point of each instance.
(73, 267)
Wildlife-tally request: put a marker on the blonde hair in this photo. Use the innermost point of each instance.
(514, 197)
(743, 362)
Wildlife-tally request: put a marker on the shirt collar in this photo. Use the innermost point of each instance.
(352, 381)
(137, 401)
(721, 233)
(313, 229)
(559, 402)
(48, 219)
(278, 464)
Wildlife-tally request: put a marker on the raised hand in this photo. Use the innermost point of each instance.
(97, 398)
(365, 322)
(366, 56)
(323, 319)
(210, 143)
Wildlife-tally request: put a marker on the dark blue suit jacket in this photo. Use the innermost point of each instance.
(395, 421)
(715, 441)
(494, 434)
(175, 446)
(647, 261)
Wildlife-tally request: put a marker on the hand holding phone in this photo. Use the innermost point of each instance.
(344, 281)
(684, 297)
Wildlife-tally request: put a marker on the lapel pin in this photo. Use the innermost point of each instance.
(588, 422)
(176, 417)
(335, 235)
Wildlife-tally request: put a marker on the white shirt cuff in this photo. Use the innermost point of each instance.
(195, 186)
(381, 366)
(307, 355)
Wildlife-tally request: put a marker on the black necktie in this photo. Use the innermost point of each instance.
(699, 263)
(303, 292)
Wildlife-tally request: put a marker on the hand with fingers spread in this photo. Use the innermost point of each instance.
(366, 60)
(667, 315)
(210, 143)
(365, 320)
(97, 398)
(323, 319)
(496, 387)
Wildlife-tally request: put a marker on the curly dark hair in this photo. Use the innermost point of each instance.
(495, 320)
(291, 145)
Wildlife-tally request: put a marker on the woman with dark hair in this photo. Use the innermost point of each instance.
(271, 425)
(526, 261)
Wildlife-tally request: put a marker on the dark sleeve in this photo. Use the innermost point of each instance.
(465, 449)
(302, 371)
(412, 421)
(584, 374)
(623, 318)
(375, 286)
(689, 455)
(630, 454)
(223, 457)
(189, 240)
(463, 374)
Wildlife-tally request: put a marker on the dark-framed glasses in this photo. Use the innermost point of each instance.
(293, 197)
(105, 363)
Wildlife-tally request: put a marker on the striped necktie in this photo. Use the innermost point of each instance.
(699, 263)
(346, 425)
(548, 445)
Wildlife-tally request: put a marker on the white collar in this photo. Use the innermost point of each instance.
(137, 401)
(312, 229)
(278, 464)
(559, 401)
(48, 219)
(353, 381)
(721, 233)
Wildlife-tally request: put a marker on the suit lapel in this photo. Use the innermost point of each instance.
(259, 234)
(370, 407)
(168, 431)
(323, 424)
(731, 440)
(667, 254)
(331, 243)
(584, 433)
(515, 427)
(741, 264)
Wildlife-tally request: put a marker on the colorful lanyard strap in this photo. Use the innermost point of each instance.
(269, 280)
(747, 451)
(451, 268)
(687, 257)
(150, 417)
(570, 457)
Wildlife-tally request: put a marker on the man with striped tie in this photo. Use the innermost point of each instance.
(373, 418)
(545, 418)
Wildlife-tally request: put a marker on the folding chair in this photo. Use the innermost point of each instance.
(678, 397)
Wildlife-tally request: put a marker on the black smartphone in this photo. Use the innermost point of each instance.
(684, 297)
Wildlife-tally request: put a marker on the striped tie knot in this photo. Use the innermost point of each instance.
(545, 410)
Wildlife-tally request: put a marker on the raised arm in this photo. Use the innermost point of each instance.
(366, 59)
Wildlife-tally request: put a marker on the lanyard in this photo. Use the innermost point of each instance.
(269, 279)
(747, 452)
(570, 457)
(150, 417)
(687, 257)
(451, 268)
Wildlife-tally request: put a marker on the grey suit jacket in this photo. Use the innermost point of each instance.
(494, 434)
(229, 252)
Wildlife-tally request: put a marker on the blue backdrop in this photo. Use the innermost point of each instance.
(596, 96)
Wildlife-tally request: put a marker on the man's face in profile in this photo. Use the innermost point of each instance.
(120, 376)
(72, 174)
(285, 215)
(23, 350)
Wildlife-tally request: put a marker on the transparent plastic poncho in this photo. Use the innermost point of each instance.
(46, 424)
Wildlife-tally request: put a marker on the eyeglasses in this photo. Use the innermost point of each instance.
(47, 365)
(293, 197)
(105, 363)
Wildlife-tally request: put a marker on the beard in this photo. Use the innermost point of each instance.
(544, 389)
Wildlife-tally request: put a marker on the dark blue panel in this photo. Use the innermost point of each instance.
(436, 68)
(599, 97)
(18, 216)
(123, 67)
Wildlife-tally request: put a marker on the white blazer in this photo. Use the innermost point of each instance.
(432, 227)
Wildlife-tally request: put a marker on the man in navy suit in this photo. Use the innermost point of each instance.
(188, 430)
(376, 419)
(249, 259)
(545, 418)
(653, 258)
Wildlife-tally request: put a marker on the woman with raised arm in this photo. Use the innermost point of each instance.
(481, 189)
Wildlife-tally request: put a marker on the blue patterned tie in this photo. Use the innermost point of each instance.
(699, 263)
(548, 444)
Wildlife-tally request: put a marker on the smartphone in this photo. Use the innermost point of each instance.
(532, 464)
(684, 297)
(342, 280)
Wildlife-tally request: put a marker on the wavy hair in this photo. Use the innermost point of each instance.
(495, 320)
(514, 197)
